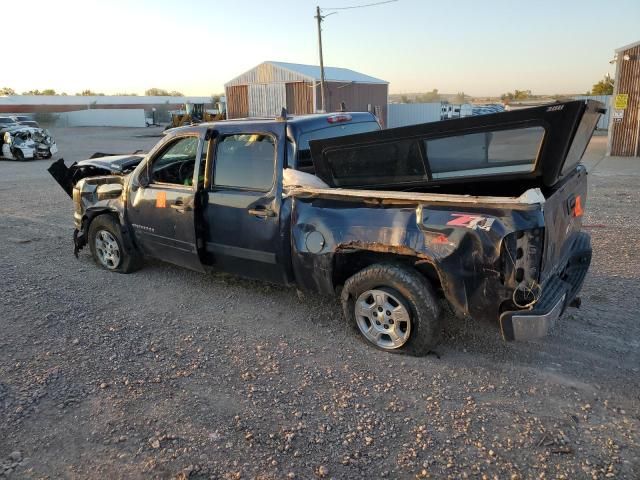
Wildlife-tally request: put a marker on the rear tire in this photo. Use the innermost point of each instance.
(392, 307)
(108, 249)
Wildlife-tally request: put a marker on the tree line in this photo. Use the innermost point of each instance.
(160, 92)
(602, 87)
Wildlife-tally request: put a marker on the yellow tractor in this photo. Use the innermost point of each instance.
(193, 113)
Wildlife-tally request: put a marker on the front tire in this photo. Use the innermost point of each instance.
(18, 155)
(393, 307)
(107, 247)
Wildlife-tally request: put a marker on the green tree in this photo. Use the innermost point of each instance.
(459, 98)
(89, 93)
(429, 97)
(175, 93)
(603, 87)
(7, 91)
(515, 95)
(156, 92)
(46, 91)
(405, 99)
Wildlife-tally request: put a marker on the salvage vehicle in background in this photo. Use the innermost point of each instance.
(7, 122)
(484, 212)
(21, 142)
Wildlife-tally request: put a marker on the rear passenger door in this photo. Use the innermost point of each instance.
(244, 201)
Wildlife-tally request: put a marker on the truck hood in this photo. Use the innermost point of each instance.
(540, 145)
(113, 164)
(98, 164)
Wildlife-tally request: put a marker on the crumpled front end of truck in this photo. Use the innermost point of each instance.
(97, 186)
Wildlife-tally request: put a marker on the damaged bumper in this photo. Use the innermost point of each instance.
(558, 293)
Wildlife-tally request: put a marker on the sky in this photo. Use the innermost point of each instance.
(483, 48)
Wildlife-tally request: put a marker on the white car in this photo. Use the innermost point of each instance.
(25, 143)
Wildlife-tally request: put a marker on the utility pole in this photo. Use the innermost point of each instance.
(319, 18)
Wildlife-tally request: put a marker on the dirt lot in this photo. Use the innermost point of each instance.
(167, 373)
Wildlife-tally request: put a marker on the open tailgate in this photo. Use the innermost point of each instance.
(542, 144)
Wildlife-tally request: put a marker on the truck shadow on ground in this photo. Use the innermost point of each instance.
(585, 343)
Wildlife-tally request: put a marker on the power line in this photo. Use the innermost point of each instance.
(359, 6)
(320, 18)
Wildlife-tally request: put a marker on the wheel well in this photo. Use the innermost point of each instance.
(347, 264)
(92, 215)
(127, 237)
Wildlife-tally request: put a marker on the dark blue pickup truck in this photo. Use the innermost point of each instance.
(484, 212)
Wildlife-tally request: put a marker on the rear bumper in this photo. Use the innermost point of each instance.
(559, 291)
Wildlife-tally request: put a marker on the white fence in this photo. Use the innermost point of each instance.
(401, 114)
(107, 117)
(603, 123)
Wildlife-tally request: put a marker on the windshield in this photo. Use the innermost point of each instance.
(5, 120)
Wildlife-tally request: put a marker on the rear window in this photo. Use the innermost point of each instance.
(337, 130)
(419, 159)
(486, 153)
(581, 140)
(370, 163)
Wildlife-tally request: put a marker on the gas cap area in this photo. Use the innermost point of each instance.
(314, 242)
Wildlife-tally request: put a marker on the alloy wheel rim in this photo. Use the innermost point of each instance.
(107, 249)
(383, 319)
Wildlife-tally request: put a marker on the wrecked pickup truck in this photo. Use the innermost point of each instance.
(485, 212)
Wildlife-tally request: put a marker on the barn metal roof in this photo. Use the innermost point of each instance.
(300, 72)
(628, 47)
(331, 74)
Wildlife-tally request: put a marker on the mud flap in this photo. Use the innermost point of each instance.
(79, 241)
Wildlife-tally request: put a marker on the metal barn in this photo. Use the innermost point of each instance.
(265, 89)
(624, 130)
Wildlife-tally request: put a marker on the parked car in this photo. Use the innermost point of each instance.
(29, 123)
(21, 118)
(6, 122)
(21, 142)
(483, 211)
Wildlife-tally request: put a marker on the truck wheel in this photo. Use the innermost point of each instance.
(107, 247)
(393, 307)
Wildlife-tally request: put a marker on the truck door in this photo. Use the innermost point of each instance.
(244, 202)
(162, 201)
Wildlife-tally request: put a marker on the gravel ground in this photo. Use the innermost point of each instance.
(167, 373)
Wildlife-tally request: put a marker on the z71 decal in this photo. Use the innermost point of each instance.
(471, 221)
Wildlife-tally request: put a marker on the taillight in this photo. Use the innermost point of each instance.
(339, 118)
(577, 208)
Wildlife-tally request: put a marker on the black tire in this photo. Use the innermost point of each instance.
(18, 155)
(412, 290)
(129, 259)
